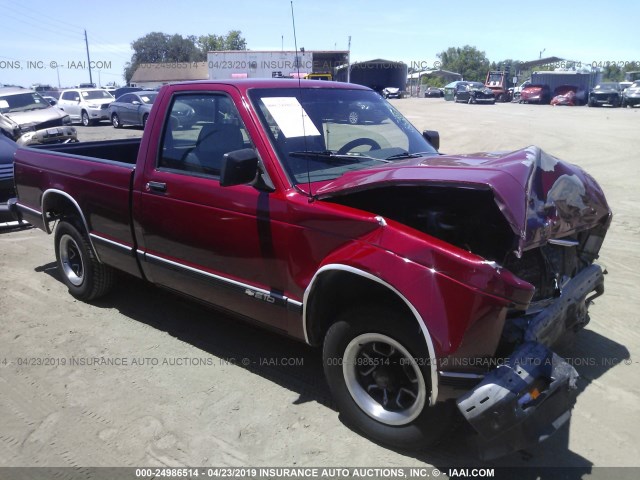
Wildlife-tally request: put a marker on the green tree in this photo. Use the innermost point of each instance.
(468, 61)
(233, 40)
(612, 73)
(158, 47)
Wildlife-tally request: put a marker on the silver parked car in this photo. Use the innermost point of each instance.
(132, 108)
(86, 105)
(28, 119)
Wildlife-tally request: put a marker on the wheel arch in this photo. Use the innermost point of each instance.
(56, 203)
(342, 283)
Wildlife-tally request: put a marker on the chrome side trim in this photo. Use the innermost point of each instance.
(418, 317)
(235, 283)
(564, 243)
(72, 200)
(32, 210)
(111, 242)
(473, 376)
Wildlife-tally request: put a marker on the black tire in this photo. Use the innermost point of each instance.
(115, 121)
(82, 273)
(145, 117)
(379, 335)
(86, 121)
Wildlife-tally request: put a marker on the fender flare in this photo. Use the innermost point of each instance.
(414, 311)
(78, 210)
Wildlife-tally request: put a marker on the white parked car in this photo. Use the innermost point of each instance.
(86, 105)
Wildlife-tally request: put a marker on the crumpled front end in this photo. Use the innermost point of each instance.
(45, 136)
(535, 221)
(523, 401)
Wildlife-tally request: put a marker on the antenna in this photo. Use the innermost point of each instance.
(304, 133)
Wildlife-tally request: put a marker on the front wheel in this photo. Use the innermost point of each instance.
(377, 367)
(86, 121)
(82, 273)
(115, 121)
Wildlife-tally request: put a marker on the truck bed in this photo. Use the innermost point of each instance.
(92, 179)
(124, 151)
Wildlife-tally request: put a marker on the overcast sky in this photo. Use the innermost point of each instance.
(37, 35)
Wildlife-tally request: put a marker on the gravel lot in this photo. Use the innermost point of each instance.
(172, 395)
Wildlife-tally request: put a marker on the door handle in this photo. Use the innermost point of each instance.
(159, 187)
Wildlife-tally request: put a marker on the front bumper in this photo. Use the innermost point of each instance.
(632, 100)
(531, 393)
(98, 113)
(604, 100)
(63, 134)
(522, 402)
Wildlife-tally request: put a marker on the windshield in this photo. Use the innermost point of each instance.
(476, 85)
(22, 102)
(95, 94)
(603, 86)
(320, 134)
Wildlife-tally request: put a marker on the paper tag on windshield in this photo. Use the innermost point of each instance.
(290, 116)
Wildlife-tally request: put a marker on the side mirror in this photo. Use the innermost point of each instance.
(52, 102)
(433, 137)
(239, 167)
(136, 102)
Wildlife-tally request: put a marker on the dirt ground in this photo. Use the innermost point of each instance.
(145, 378)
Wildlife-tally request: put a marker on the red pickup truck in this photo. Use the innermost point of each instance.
(429, 280)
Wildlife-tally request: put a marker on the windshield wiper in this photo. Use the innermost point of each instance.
(329, 155)
(397, 156)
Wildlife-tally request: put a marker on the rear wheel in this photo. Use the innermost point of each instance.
(378, 371)
(82, 273)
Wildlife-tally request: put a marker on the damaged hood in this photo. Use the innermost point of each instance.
(540, 196)
(35, 118)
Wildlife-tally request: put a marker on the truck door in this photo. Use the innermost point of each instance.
(199, 238)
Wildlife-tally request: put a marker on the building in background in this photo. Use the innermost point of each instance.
(227, 64)
(152, 75)
(377, 74)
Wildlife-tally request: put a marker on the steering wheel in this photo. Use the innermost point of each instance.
(357, 143)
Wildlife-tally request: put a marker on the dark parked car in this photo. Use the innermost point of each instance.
(631, 95)
(132, 108)
(7, 148)
(536, 94)
(433, 92)
(362, 112)
(392, 92)
(565, 95)
(473, 92)
(605, 94)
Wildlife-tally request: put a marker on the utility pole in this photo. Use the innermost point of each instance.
(349, 61)
(86, 42)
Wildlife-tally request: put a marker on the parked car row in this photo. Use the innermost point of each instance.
(614, 94)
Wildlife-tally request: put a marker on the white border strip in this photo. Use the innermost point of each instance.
(423, 327)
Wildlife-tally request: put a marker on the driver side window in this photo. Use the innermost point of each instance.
(199, 130)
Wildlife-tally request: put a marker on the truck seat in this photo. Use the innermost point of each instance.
(214, 140)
